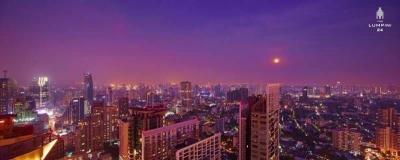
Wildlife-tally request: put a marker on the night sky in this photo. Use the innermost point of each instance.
(202, 41)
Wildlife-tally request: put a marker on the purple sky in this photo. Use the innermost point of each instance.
(320, 41)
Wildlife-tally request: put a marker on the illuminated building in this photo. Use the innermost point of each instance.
(387, 117)
(103, 124)
(43, 84)
(386, 140)
(387, 129)
(186, 97)
(88, 91)
(139, 119)
(346, 140)
(83, 136)
(259, 126)
(40, 90)
(161, 143)
(7, 91)
(23, 111)
(208, 148)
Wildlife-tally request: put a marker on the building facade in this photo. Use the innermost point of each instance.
(130, 133)
(346, 140)
(161, 143)
(186, 97)
(259, 126)
(208, 148)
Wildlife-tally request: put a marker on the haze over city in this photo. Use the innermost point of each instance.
(317, 42)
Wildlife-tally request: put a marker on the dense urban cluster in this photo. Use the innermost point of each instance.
(187, 121)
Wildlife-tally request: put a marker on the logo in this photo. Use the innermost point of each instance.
(379, 14)
(380, 26)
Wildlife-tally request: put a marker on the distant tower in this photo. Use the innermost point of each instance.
(77, 108)
(109, 96)
(88, 88)
(42, 82)
(186, 96)
(7, 89)
(305, 93)
(379, 14)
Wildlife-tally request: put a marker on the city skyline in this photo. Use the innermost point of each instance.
(201, 42)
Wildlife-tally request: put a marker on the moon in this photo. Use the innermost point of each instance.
(276, 60)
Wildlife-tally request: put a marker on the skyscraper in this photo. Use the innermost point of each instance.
(130, 133)
(40, 90)
(88, 91)
(387, 131)
(186, 96)
(7, 91)
(77, 109)
(109, 96)
(103, 125)
(123, 105)
(259, 126)
(83, 136)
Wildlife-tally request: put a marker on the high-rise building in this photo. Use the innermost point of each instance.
(44, 90)
(387, 117)
(386, 140)
(83, 136)
(88, 91)
(130, 133)
(123, 105)
(99, 127)
(186, 97)
(103, 125)
(40, 90)
(7, 92)
(259, 126)
(346, 140)
(387, 131)
(208, 148)
(244, 131)
(78, 109)
(161, 143)
(109, 96)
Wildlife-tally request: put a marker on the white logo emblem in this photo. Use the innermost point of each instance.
(379, 26)
(379, 14)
